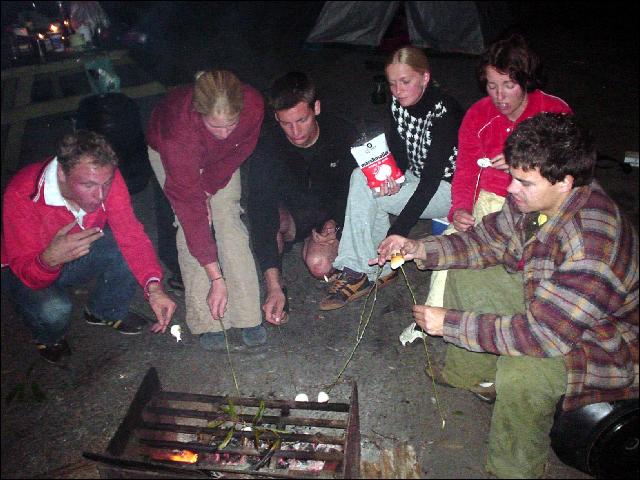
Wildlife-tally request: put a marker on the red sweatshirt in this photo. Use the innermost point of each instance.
(29, 225)
(196, 163)
(482, 134)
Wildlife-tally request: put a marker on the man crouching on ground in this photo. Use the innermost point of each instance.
(298, 184)
(65, 222)
(574, 262)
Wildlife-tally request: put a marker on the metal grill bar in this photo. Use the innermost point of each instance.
(200, 448)
(252, 402)
(122, 468)
(222, 432)
(247, 418)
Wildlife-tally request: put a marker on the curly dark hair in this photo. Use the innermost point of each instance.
(512, 56)
(84, 143)
(290, 89)
(554, 143)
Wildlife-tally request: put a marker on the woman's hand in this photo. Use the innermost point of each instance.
(217, 298)
(463, 220)
(499, 163)
(389, 187)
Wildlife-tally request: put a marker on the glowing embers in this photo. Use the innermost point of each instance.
(184, 456)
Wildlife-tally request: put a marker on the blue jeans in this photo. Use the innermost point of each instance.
(47, 311)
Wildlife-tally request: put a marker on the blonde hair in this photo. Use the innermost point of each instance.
(218, 92)
(412, 56)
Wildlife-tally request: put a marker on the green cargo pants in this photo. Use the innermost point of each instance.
(527, 388)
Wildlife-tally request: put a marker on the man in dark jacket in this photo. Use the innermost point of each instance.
(299, 181)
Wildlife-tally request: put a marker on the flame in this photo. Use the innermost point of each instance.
(66, 23)
(41, 36)
(54, 28)
(184, 456)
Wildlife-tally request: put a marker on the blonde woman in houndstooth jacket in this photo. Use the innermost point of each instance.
(424, 143)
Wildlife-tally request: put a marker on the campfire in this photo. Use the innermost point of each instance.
(184, 435)
(185, 456)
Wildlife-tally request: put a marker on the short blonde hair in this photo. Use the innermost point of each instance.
(412, 56)
(218, 92)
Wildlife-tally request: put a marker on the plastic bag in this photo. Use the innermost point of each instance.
(102, 76)
(376, 161)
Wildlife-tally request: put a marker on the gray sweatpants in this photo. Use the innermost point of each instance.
(366, 220)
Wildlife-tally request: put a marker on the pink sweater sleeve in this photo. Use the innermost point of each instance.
(185, 191)
(196, 164)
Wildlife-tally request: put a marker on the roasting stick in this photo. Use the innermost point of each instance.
(397, 260)
(286, 356)
(483, 163)
(426, 351)
(233, 373)
(226, 344)
(361, 328)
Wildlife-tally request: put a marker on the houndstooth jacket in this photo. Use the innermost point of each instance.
(424, 140)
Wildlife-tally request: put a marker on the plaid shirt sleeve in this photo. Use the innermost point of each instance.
(581, 293)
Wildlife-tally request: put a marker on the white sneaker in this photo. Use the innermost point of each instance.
(411, 333)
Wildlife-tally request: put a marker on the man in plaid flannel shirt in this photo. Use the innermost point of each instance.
(574, 258)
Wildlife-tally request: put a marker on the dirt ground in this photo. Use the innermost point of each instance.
(591, 61)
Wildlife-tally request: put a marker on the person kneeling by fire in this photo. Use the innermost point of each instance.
(65, 222)
(562, 318)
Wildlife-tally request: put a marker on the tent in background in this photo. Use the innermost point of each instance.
(464, 27)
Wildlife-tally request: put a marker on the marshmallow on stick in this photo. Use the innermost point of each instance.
(397, 260)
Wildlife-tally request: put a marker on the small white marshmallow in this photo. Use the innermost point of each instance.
(484, 162)
(176, 331)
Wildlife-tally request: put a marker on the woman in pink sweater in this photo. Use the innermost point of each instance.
(198, 136)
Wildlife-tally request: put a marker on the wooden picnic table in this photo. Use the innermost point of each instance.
(18, 107)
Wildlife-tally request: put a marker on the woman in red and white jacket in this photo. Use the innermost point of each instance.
(509, 71)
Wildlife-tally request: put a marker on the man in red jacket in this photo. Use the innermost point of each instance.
(65, 222)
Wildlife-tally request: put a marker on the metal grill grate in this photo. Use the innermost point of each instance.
(232, 437)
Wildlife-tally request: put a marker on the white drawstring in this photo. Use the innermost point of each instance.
(483, 163)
